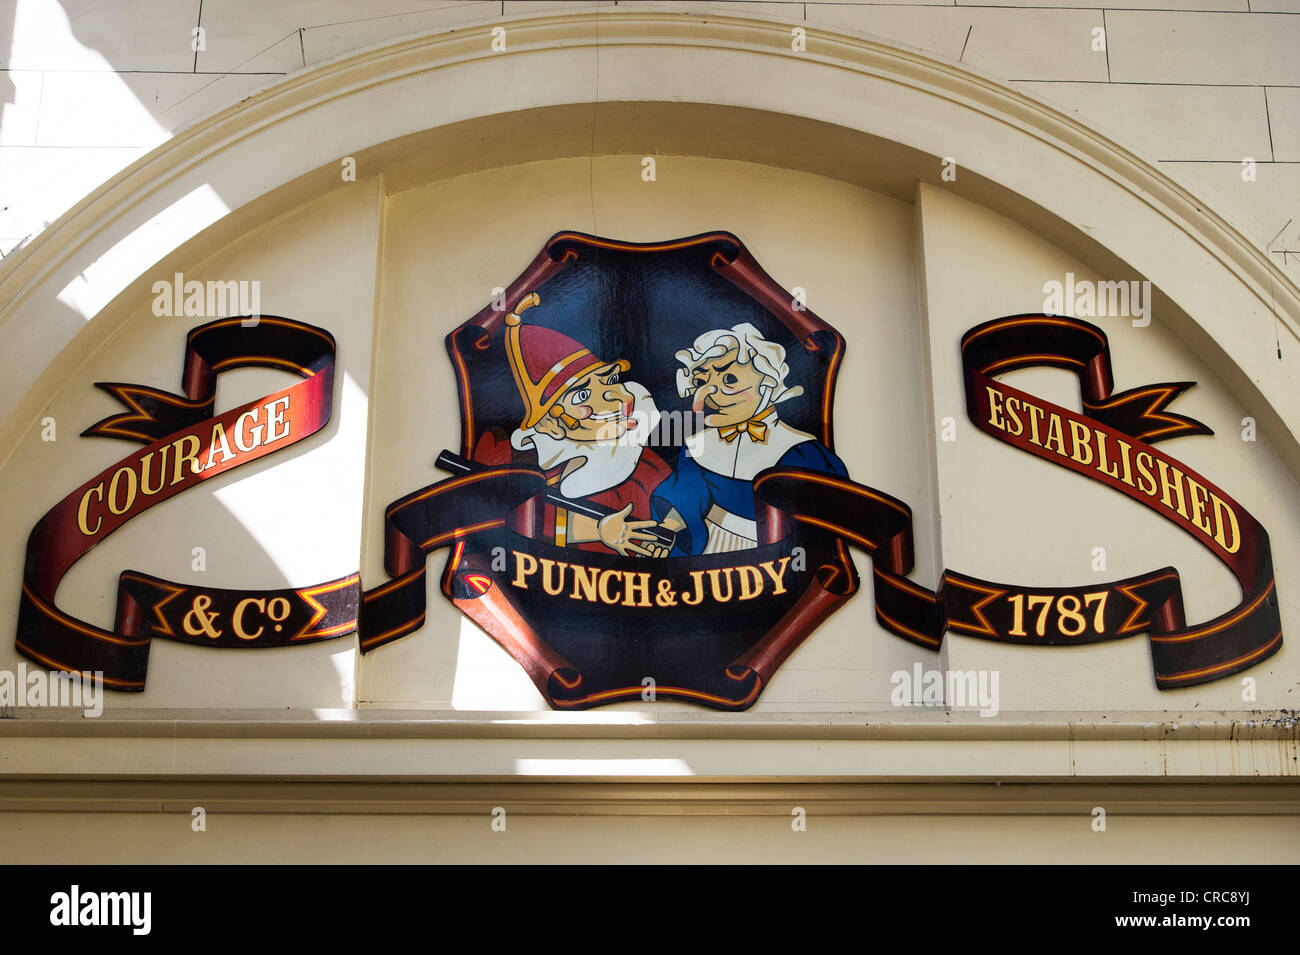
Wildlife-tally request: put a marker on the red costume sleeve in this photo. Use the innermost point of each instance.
(649, 473)
(493, 450)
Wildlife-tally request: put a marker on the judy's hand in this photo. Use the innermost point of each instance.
(659, 549)
(672, 523)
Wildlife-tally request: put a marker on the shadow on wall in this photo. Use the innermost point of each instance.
(239, 554)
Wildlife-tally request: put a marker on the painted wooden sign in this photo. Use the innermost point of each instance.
(647, 493)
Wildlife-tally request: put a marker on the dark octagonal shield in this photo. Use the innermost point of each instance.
(720, 586)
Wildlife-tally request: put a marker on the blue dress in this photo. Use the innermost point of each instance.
(694, 491)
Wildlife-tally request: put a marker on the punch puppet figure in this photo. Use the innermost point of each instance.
(585, 428)
(736, 378)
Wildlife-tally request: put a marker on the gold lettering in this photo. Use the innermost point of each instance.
(713, 583)
(98, 489)
(1144, 471)
(237, 618)
(1124, 449)
(634, 585)
(1080, 438)
(1220, 509)
(698, 577)
(777, 572)
(605, 578)
(995, 408)
(751, 582)
(1054, 434)
(1199, 497)
(1104, 464)
(242, 433)
(1035, 413)
(189, 453)
(553, 589)
(130, 494)
(523, 561)
(1167, 485)
(584, 578)
(162, 472)
(218, 443)
(1016, 426)
(276, 418)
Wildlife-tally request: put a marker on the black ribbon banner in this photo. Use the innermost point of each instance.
(726, 596)
(1112, 443)
(185, 444)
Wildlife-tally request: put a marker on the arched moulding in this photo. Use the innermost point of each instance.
(849, 107)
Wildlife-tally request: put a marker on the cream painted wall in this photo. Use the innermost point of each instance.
(1193, 85)
(325, 838)
(292, 518)
(449, 244)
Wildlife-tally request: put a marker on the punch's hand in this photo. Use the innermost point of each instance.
(624, 536)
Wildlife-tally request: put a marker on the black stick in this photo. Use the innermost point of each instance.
(455, 464)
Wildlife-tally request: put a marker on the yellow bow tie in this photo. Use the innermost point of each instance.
(754, 427)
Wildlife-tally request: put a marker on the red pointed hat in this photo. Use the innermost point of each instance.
(544, 362)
